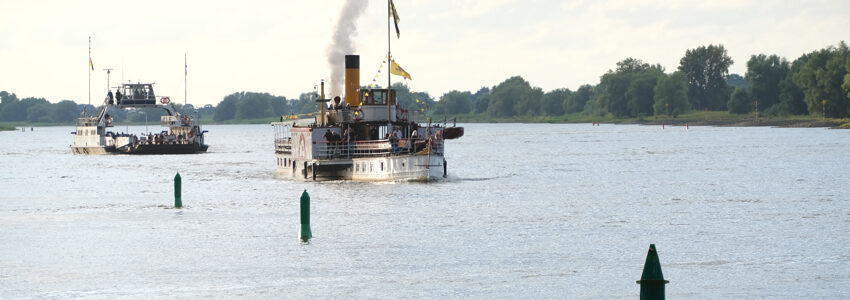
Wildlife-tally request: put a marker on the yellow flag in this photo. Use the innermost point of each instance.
(91, 64)
(397, 70)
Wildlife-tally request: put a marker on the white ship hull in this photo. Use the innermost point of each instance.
(409, 167)
(89, 150)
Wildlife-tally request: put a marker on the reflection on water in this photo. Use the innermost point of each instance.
(527, 211)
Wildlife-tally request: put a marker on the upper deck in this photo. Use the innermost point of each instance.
(136, 95)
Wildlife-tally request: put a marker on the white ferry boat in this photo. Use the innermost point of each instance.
(369, 138)
(182, 136)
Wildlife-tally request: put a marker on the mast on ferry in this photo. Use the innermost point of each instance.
(389, 65)
(185, 74)
(91, 65)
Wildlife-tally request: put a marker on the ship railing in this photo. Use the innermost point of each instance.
(283, 145)
(87, 121)
(373, 148)
(342, 115)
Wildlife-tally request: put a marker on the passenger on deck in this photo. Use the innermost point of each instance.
(118, 96)
(393, 142)
(329, 138)
(373, 133)
(109, 98)
(346, 140)
(337, 104)
(397, 133)
(337, 139)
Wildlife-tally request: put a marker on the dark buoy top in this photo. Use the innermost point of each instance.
(652, 268)
(305, 208)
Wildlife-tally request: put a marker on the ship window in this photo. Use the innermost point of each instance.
(382, 166)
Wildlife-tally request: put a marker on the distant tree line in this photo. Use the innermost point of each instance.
(36, 110)
(815, 83)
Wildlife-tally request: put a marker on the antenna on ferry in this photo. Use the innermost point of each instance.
(108, 70)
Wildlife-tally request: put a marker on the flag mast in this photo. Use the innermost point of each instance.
(389, 64)
(88, 70)
(185, 74)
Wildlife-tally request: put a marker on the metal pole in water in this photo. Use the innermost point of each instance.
(177, 202)
(305, 233)
(652, 280)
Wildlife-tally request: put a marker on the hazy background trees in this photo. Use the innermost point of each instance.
(633, 88)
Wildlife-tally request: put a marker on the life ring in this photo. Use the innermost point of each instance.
(165, 100)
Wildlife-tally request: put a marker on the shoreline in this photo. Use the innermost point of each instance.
(771, 122)
(779, 122)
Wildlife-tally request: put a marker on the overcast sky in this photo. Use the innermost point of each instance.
(279, 46)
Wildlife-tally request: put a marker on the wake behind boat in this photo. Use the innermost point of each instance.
(183, 134)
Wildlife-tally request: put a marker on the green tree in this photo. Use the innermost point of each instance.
(254, 106)
(226, 109)
(481, 99)
(454, 102)
(280, 106)
(846, 84)
(65, 111)
(306, 103)
(764, 73)
(821, 78)
(613, 97)
(736, 81)
(512, 97)
(578, 99)
(706, 69)
(10, 108)
(628, 90)
(23, 109)
(740, 102)
(671, 95)
(39, 113)
(641, 94)
(791, 97)
(6, 99)
(555, 101)
(413, 101)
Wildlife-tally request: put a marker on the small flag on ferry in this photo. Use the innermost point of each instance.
(395, 18)
(91, 64)
(397, 70)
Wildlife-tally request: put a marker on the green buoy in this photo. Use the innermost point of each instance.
(652, 281)
(177, 202)
(305, 232)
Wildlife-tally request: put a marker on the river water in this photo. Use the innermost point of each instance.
(528, 211)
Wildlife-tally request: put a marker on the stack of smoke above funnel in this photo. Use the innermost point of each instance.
(342, 41)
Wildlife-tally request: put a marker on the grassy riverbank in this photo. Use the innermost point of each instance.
(710, 118)
(6, 127)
